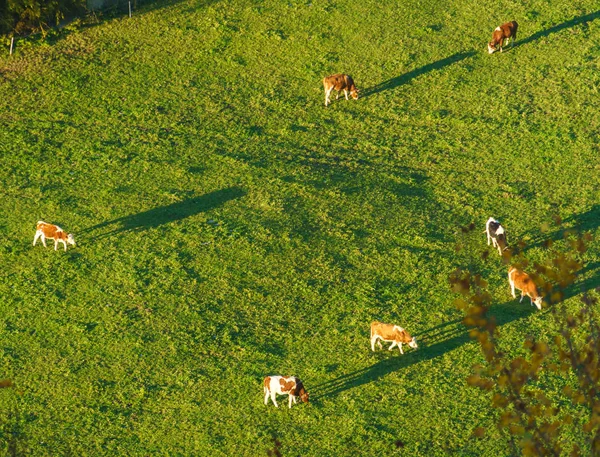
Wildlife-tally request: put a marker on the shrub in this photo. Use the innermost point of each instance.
(21, 17)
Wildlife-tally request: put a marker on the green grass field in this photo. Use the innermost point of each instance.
(229, 226)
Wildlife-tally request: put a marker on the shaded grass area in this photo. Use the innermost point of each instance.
(230, 226)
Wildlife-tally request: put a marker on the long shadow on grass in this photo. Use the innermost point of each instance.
(446, 337)
(557, 28)
(592, 270)
(577, 223)
(406, 77)
(434, 343)
(169, 213)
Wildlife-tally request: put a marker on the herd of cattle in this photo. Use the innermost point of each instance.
(291, 385)
(395, 334)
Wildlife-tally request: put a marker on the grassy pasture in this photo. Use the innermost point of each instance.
(229, 226)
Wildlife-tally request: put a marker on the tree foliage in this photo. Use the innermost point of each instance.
(532, 419)
(21, 17)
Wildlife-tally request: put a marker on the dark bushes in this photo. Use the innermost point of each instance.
(21, 17)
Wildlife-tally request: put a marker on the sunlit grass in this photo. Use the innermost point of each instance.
(229, 226)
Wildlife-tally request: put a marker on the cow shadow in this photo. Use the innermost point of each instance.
(406, 77)
(592, 282)
(443, 338)
(156, 217)
(433, 343)
(557, 28)
(577, 223)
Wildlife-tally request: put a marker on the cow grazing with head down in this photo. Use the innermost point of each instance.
(281, 385)
(522, 281)
(497, 234)
(502, 33)
(389, 332)
(339, 82)
(53, 232)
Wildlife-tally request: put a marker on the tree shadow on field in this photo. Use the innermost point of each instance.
(93, 17)
(557, 28)
(164, 214)
(588, 221)
(405, 78)
(433, 343)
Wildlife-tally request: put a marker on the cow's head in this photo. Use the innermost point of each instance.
(413, 343)
(491, 47)
(354, 93)
(71, 239)
(538, 302)
(303, 395)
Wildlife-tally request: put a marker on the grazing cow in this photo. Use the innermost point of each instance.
(54, 232)
(284, 385)
(497, 234)
(390, 332)
(505, 32)
(521, 280)
(339, 82)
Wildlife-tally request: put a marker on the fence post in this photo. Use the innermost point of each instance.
(129, 8)
(12, 41)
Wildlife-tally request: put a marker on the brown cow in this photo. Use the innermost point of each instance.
(54, 232)
(522, 281)
(390, 332)
(339, 82)
(501, 34)
(284, 385)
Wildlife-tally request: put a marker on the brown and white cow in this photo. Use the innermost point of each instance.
(389, 332)
(53, 232)
(282, 385)
(522, 281)
(501, 34)
(339, 82)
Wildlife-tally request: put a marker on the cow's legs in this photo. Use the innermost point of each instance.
(512, 288)
(327, 94)
(394, 343)
(346, 94)
(337, 95)
(488, 235)
(400, 347)
(273, 398)
(56, 244)
(522, 295)
(64, 244)
(266, 396)
(44, 240)
(376, 339)
(37, 235)
(290, 398)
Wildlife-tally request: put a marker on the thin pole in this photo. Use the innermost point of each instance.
(130, 9)
(12, 41)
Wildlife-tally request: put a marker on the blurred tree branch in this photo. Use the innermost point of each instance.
(530, 417)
